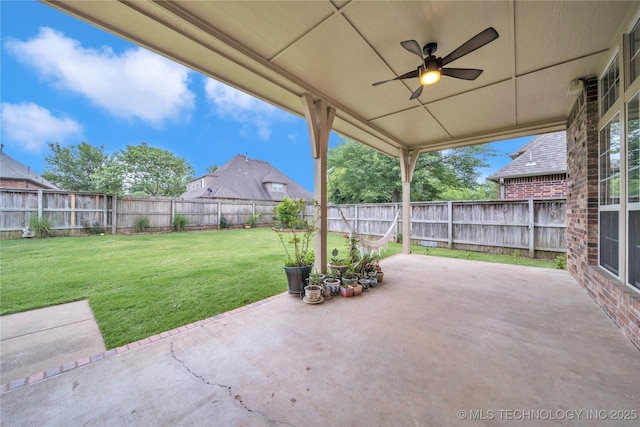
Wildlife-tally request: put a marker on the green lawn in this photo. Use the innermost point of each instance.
(141, 285)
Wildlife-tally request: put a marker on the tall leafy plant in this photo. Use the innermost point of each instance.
(295, 232)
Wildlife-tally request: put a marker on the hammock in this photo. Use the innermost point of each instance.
(371, 245)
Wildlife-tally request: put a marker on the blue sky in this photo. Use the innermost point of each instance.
(65, 81)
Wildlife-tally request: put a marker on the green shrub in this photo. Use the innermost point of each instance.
(289, 214)
(41, 227)
(223, 223)
(253, 220)
(561, 262)
(179, 222)
(140, 224)
(93, 230)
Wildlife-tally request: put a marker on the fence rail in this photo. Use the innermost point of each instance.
(537, 227)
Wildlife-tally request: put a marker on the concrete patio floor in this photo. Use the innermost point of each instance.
(442, 342)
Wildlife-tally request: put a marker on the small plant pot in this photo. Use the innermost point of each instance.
(380, 276)
(313, 293)
(357, 290)
(365, 283)
(346, 291)
(348, 282)
(333, 285)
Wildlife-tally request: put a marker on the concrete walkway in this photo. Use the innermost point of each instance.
(441, 342)
(37, 340)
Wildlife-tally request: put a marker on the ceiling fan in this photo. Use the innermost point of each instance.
(431, 68)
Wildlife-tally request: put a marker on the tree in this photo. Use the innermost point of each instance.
(358, 174)
(143, 169)
(73, 167)
(486, 191)
(212, 168)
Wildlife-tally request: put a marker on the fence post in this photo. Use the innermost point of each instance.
(532, 234)
(105, 212)
(355, 223)
(72, 214)
(398, 223)
(173, 210)
(450, 224)
(219, 216)
(40, 204)
(114, 214)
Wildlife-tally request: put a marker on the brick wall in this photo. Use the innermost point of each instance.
(13, 183)
(618, 300)
(536, 187)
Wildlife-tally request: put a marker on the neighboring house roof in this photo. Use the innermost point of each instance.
(246, 179)
(543, 155)
(11, 169)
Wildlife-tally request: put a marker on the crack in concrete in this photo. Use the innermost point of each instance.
(228, 388)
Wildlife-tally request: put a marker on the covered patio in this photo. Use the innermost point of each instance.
(439, 342)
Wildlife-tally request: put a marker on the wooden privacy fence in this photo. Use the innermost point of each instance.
(73, 213)
(536, 227)
(529, 227)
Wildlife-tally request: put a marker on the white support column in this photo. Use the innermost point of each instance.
(319, 117)
(407, 165)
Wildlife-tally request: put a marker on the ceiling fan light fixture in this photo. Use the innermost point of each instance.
(430, 77)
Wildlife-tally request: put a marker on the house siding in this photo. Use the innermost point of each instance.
(618, 300)
(536, 187)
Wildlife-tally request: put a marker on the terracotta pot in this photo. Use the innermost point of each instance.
(346, 291)
(357, 290)
(380, 276)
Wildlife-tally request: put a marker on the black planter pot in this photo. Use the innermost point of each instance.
(297, 277)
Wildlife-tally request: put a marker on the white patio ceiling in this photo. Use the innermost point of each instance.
(335, 50)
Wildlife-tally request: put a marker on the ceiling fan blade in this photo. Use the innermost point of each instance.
(409, 75)
(417, 93)
(461, 73)
(413, 47)
(475, 42)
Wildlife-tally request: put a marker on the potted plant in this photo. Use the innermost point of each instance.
(313, 292)
(332, 282)
(337, 265)
(295, 234)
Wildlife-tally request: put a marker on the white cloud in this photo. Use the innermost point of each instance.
(255, 115)
(33, 126)
(133, 84)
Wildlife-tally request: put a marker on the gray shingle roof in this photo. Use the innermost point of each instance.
(14, 170)
(246, 179)
(543, 155)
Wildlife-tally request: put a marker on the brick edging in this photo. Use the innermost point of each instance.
(21, 382)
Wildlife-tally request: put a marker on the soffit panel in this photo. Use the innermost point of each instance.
(549, 33)
(487, 108)
(332, 66)
(265, 27)
(549, 87)
(416, 124)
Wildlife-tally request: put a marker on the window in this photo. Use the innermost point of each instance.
(634, 53)
(609, 86)
(609, 186)
(610, 163)
(277, 187)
